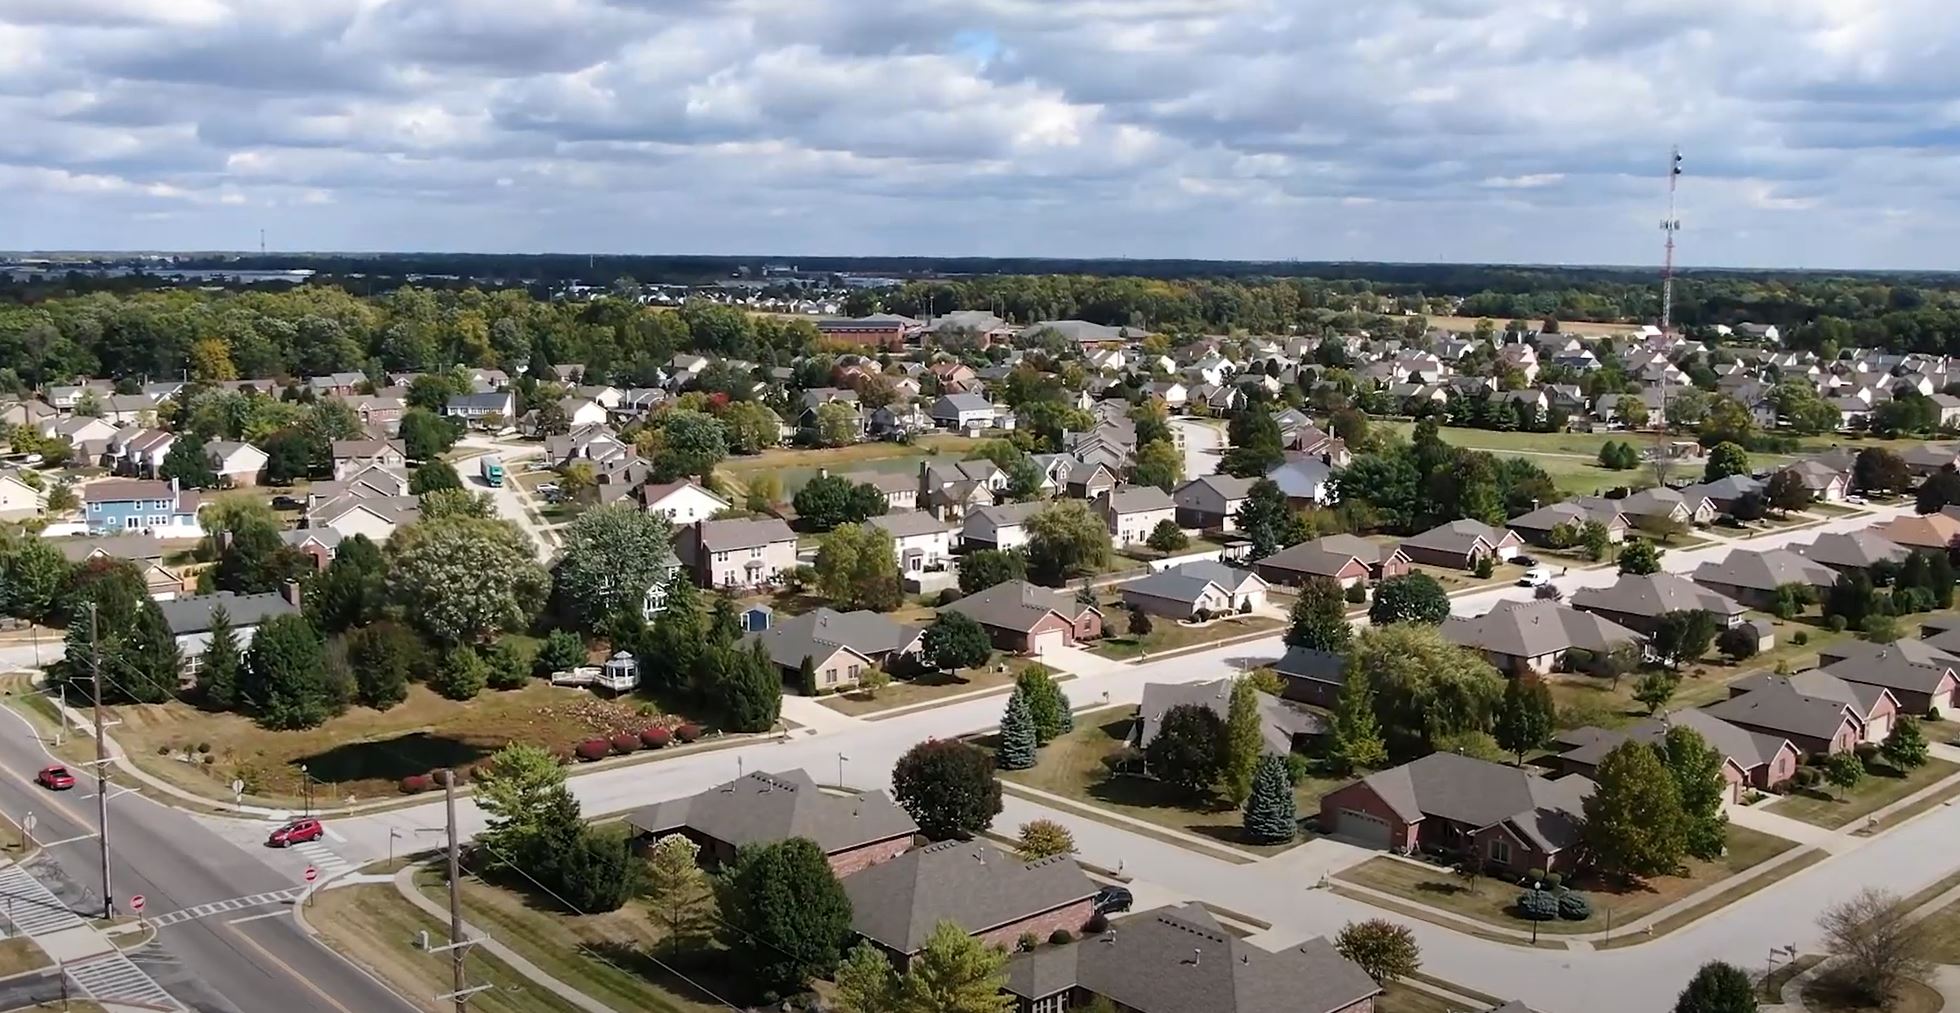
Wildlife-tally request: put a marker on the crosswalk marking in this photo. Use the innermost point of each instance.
(225, 906)
(321, 856)
(113, 977)
(32, 907)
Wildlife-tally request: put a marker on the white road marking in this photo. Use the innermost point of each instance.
(253, 918)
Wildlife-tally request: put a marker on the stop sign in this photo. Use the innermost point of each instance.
(136, 902)
(312, 874)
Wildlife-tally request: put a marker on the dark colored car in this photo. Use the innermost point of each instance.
(286, 503)
(296, 832)
(1524, 560)
(1113, 900)
(55, 778)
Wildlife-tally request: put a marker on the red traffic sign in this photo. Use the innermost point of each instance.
(312, 874)
(136, 902)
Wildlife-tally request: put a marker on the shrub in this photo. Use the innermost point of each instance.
(209, 759)
(1836, 623)
(1202, 615)
(655, 737)
(1800, 638)
(1554, 881)
(1867, 752)
(1097, 924)
(1061, 937)
(1573, 906)
(416, 784)
(625, 742)
(1806, 777)
(1535, 876)
(163, 750)
(204, 747)
(593, 749)
(949, 596)
(1356, 593)
(1485, 567)
(1932, 713)
(1537, 906)
(688, 732)
(1298, 768)
(1027, 942)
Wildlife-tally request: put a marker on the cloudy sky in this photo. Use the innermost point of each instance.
(1818, 133)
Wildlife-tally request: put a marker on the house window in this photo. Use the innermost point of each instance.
(132, 523)
(830, 676)
(1500, 851)
(755, 553)
(854, 670)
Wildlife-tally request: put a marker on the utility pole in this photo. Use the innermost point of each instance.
(101, 759)
(458, 946)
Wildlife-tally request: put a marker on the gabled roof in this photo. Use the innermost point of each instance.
(1911, 665)
(79, 548)
(1745, 748)
(1531, 629)
(1922, 531)
(1780, 707)
(1136, 499)
(762, 808)
(1575, 512)
(1006, 515)
(1312, 665)
(973, 884)
(1279, 721)
(1860, 549)
(193, 614)
(1224, 487)
(907, 523)
(1653, 595)
(1765, 570)
(743, 533)
(1018, 605)
(1480, 793)
(1458, 536)
(1301, 478)
(817, 634)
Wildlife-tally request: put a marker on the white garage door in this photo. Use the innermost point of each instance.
(1879, 728)
(1048, 640)
(1364, 827)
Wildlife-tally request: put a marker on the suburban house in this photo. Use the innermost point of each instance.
(146, 505)
(992, 894)
(901, 489)
(1638, 601)
(956, 488)
(352, 514)
(237, 464)
(1536, 527)
(1921, 531)
(1662, 505)
(1282, 725)
(1825, 483)
(1531, 637)
(1211, 503)
(1723, 492)
(319, 544)
(1181, 960)
(1305, 481)
(840, 645)
(1876, 709)
(1451, 804)
(1312, 676)
(736, 553)
(998, 527)
(1815, 725)
(190, 620)
(1335, 557)
(1025, 618)
(682, 503)
(1182, 591)
(1923, 678)
(1461, 544)
(1068, 475)
(1854, 550)
(350, 456)
(1759, 760)
(144, 551)
(18, 500)
(1752, 577)
(481, 408)
(921, 541)
(854, 829)
(963, 412)
(138, 452)
(1133, 512)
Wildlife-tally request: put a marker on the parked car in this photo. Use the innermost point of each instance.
(296, 832)
(286, 503)
(1524, 560)
(1537, 576)
(1855, 500)
(1113, 900)
(55, 778)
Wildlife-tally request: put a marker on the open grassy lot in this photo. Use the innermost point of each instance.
(1491, 900)
(797, 465)
(1880, 787)
(1085, 765)
(1823, 996)
(362, 753)
(1585, 700)
(1167, 635)
(376, 928)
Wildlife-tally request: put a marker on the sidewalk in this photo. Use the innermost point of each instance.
(405, 885)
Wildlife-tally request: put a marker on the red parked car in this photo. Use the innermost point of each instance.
(55, 778)
(296, 832)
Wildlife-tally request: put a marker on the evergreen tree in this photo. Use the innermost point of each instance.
(806, 677)
(1270, 814)
(1244, 742)
(1410, 598)
(679, 632)
(285, 683)
(752, 689)
(1524, 716)
(217, 673)
(1319, 618)
(1047, 704)
(462, 674)
(186, 462)
(1017, 734)
(1357, 739)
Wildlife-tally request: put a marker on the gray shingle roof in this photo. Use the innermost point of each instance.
(1780, 707)
(1655, 594)
(1481, 793)
(743, 533)
(1765, 570)
(1749, 749)
(1457, 536)
(193, 614)
(911, 522)
(1818, 683)
(1137, 499)
(761, 808)
(1313, 665)
(896, 903)
(1854, 549)
(1186, 581)
(1912, 665)
(1532, 629)
(1577, 511)
(1018, 605)
(1279, 721)
(818, 633)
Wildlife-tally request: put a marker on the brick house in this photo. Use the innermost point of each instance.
(1460, 544)
(1760, 760)
(1345, 558)
(854, 831)
(1752, 577)
(1874, 707)
(1025, 618)
(995, 896)
(1638, 601)
(1452, 804)
(1815, 725)
(1920, 676)
(1532, 637)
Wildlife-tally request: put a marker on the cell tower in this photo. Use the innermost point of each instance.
(1669, 225)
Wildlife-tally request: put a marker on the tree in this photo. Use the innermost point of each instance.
(1167, 537)
(1879, 946)
(218, 670)
(1256, 444)
(1596, 539)
(1268, 521)
(787, 917)
(956, 973)
(1843, 771)
(1409, 598)
(461, 675)
(1382, 948)
(956, 640)
(517, 790)
(256, 560)
(1243, 744)
(1696, 769)
(1725, 460)
(1634, 825)
(1270, 813)
(1852, 597)
(1525, 716)
(284, 684)
(425, 436)
(1158, 463)
(1940, 490)
(983, 568)
(949, 788)
(677, 888)
(1066, 539)
(1356, 740)
(857, 568)
(837, 424)
(1185, 751)
(187, 463)
(1728, 421)
(1041, 839)
(691, 444)
(1640, 557)
(464, 578)
(552, 419)
(866, 982)
(1738, 643)
(353, 589)
(1048, 706)
(751, 689)
(385, 658)
(288, 457)
(1655, 689)
(1425, 687)
(432, 475)
(1718, 987)
(1683, 636)
(1786, 491)
(827, 501)
(1878, 470)
(1905, 748)
(1139, 625)
(1319, 618)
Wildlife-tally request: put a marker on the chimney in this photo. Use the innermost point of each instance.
(290, 591)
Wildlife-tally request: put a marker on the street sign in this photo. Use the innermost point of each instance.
(237, 789)
(312, 874)
(28, 823)
(136, 903)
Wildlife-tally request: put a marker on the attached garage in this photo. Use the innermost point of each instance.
(1364, 828)
(1047, 640)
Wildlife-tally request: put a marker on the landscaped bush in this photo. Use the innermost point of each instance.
(1537, 906)
(416, 784)
(1932, 713)
(163, 750)
(209, 759)
(1061, 937)
(655, 737)
(688, 732)
(1027, 942)
(204, 747)
(1800, 638)
(594, 749)
(1573, 906)
(625, 742)
(1356, 594)
(1867, 752)
(1806, 777)
(1298, 767)
(949, 596)
(1097, 924)
(1836, 623)
(1201, 615)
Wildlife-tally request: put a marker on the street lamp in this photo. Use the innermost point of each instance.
(841, 759)
(1535, 887)
(306, 791)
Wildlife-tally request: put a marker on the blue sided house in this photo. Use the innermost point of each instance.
(144, 506)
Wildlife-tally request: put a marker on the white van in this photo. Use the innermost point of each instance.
(1537, 576)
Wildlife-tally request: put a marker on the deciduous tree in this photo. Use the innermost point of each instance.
(187, 464)
(857, 568)
(1696, 769)
(1185, 751)
(1384, 949)
(1640, 557)
(1066, 539)
(955, 641)
(1410, 598)
(949, 788)
(1718, 987)
(1167, 537)
(956, 973)
(1319, 618)
(866, 982)
(1425, 687)
(1524, 716)
(1044, 839)
(463, 578)
(983, 568)
(1243, 743)
(1356, 741)
(1048, 705)
(787, 918)
(1634, 825)
(1879, 946)
(432, 475)
(1725, 460)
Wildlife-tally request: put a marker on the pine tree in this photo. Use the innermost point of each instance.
(1270, 814)
(751, 688)
(806, 677)
(1244, 742)
(1017, 734)
(217, 674)
(1357, 739)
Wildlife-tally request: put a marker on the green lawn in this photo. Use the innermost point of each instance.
(929, 687)
(1166, 635)
(1823, 807)
(376, 928)
(1490, 900)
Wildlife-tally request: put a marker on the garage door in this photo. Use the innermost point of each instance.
(1879, 728)
(1363, 827)
(1048, 640)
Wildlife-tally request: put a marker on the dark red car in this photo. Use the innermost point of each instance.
(296, 832)
(55, 778)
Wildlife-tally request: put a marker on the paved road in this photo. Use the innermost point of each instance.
(1203, 445)
(509, 500)
(176, 862)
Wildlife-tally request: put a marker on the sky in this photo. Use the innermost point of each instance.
(1816, 133)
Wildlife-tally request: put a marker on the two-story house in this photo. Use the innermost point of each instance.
(146, 505)
(920, 541)
(998, 527)
(680, 502)
(963, 412)
(352, 456)
(191, 619)
(736, 553)
(482, 409)
(1133, 512)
